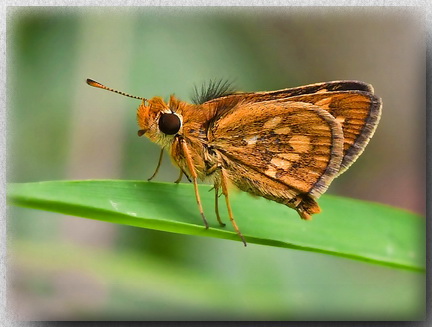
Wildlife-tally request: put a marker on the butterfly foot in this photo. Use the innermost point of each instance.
(206, 225)
(243, 239)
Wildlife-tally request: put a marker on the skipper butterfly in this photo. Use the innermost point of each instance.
(286, 145)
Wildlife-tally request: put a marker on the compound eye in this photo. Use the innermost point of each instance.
(169, 124)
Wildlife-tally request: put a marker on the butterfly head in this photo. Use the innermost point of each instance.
(157, 121)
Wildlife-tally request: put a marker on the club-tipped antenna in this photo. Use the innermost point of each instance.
(101, 86)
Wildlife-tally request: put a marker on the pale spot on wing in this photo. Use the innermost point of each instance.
(251, 140)
(272, 122)
(323, 127)
(290, 156)
(321, 158)
(283, 130)
(280, 163)
(324, 103)
(300, 143)
(271, 171)
(341, 119)
(321, 91)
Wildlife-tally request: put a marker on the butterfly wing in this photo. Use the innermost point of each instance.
(358, 112)
(352, 103)
(301, 90)
(285, 148)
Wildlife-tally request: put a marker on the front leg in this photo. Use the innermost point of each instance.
(194, 176)
(158, 165)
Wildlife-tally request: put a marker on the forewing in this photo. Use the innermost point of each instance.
(297, 144)
(358, 112)
(301, 90)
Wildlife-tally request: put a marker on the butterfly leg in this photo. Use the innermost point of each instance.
(230, 214)
(178, 180)
(216, 188)
(182, 173)
(194, 178)
(158, 165)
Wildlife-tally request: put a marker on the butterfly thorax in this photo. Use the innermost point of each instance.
(196, 120)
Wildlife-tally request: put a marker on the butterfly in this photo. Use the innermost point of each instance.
(285, 145)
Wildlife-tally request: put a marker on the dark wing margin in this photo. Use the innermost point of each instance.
(366, 134)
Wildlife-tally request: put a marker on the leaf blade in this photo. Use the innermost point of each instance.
(349, 228)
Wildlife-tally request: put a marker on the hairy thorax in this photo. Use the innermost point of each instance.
(195, 133)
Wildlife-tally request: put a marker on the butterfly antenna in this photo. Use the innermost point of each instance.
(101, 86)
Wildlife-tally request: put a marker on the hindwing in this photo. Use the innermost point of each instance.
(358, 112)
(297, 144)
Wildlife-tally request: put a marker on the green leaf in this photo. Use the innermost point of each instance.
(346, 227)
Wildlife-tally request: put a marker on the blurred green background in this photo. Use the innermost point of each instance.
(63, 268)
